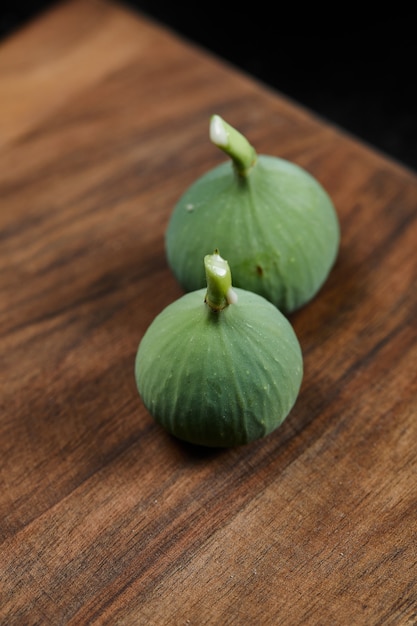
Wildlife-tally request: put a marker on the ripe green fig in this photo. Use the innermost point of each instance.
(220, 366)
(272, 220)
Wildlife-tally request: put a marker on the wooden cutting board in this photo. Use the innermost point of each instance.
(105, 519)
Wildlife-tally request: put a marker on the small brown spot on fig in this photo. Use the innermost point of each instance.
(259, 270)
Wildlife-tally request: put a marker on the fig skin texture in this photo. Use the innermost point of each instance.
(219, 378)
(273, 221)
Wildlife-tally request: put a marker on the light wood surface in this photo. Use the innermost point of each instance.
(105, 519)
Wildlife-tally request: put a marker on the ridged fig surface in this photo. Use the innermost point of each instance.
(219, 378)
(277, 227)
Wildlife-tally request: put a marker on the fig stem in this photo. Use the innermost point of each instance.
(233, 143)
(219, 282)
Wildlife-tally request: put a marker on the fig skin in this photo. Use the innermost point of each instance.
(273, 221)
(219, 378)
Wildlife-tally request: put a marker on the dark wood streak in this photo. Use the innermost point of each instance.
(105, 518)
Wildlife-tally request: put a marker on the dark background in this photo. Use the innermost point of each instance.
(354, 68)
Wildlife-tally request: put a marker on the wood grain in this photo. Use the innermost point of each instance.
(105, 519)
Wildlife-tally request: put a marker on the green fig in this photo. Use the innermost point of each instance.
(272, 220)
(220, 366)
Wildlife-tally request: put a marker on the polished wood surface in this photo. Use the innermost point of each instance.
(105, 519)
